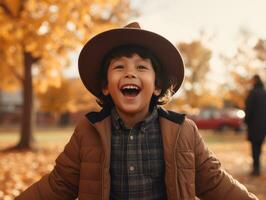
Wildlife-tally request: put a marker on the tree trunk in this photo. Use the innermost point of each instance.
(1, 101)
(26, 137)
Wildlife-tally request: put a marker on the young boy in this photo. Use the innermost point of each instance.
(132, 148)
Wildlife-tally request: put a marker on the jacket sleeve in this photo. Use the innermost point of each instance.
(62, 182)
(212, 182)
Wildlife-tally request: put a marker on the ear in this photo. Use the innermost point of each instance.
(157, 91)
(105, 91)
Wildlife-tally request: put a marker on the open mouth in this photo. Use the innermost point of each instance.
(130, 90)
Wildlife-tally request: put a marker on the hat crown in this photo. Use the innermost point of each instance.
(133, 25)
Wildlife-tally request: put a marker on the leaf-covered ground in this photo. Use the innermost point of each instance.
(234, 153)
(18, 170)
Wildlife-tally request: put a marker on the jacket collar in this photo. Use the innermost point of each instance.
(118, 123)
(95, 117)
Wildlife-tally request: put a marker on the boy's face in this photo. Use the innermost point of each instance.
(131, 84)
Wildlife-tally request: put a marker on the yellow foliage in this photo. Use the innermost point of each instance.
(81, 99)
(49, 30)
(196, 57)
(55, 99)
(69, 95)
(210, 100)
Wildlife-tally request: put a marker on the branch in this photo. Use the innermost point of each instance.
(5, 8)
(17, 75)
(8, 10)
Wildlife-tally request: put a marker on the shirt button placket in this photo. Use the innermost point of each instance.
(131, 168)
(131, 165)
(131, 137)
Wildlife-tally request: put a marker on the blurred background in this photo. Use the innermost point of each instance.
(223, 44)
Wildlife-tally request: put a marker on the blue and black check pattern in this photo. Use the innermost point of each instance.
(137, 163)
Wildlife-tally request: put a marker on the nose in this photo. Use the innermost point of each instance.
(130, 73)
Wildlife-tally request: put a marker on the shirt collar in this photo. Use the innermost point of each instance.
(119, 124)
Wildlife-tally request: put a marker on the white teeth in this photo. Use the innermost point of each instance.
(130, 87)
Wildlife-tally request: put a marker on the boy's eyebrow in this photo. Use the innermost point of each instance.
(114, 60)
(124, 58)
(118, 58)
(127, 57)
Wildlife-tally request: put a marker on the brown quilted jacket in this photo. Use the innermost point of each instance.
(82, 169)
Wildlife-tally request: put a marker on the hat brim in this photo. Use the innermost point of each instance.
(94, 51)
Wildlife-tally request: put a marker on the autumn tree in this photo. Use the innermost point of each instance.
(36, 37)
(81, 99)
(247, 61)
(56, 99)
(260, 50)
(196, 57)
(69, 96)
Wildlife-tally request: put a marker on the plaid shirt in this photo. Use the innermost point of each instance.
(137, 163)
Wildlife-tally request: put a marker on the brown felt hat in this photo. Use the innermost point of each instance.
(95, 50)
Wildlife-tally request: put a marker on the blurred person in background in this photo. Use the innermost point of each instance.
(256, 120)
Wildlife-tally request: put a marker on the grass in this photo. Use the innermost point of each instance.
(53, 134)
(41, 135)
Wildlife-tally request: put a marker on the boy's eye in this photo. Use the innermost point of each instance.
(118, 67)
(141, 67)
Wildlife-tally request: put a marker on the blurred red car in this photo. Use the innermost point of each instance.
(224, 119)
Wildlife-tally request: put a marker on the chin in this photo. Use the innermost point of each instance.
(131, 109)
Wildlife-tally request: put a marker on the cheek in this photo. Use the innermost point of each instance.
(112, 83)
(112, 80)
(150, 82)
(151, 79)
